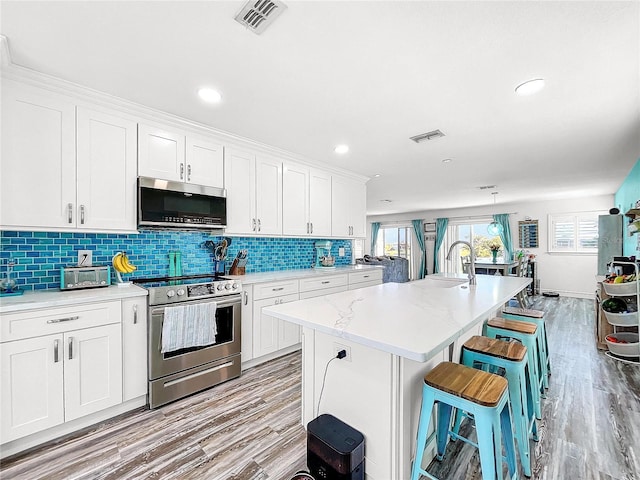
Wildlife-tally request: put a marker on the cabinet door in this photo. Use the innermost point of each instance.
(240, 182)
(32, 381)
(320, 203)
(92, 370)
(161, 153)
(37, 161)
(358, 211)
(265, 328)
(340, 206)
(106, 171)
(295, 200)
(205, 162)
(269, 195)
(246, 311)
(134, 348)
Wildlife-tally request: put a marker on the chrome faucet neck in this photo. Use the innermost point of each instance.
(471, 274)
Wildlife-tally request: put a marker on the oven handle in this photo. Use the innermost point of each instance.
(227, 302)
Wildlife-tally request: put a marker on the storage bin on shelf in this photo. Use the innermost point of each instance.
(628, 319)
(617, 289)
(629, 349)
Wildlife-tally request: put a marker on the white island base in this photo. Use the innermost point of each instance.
(394, 334)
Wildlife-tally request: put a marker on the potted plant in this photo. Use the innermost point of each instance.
(495, 248)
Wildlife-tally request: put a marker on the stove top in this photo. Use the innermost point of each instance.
(168, 290)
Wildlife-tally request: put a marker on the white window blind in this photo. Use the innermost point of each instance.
(574, 232)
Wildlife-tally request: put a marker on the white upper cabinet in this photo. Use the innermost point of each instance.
(306, 201)
(348, 207)
(62, 170)
(173, 155)
(106, 171)
(37, 162)
(254, 193)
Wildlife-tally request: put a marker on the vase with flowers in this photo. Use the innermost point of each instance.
(495, 248)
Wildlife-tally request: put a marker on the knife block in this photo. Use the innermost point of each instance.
(235, 269)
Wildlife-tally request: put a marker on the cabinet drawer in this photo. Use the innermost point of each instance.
(366, 276)
(324, 291)
(36, 323)
(309, 284)
(372, 283)
(274, 289)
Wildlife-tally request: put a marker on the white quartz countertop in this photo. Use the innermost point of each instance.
(32, 300)
(262, 277)
(413, 320)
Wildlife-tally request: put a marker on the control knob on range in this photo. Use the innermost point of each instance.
(170, 293)
(227, 286)
(234, 286)
(180, 292)
(220, 287)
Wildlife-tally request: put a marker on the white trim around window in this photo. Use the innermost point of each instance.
(573, 232)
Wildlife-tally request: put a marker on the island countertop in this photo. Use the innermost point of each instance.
(412, 320)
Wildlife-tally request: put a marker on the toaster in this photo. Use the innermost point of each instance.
(72, 278)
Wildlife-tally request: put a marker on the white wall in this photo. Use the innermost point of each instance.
(571, 275)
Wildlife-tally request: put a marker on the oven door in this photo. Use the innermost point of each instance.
(227, 339)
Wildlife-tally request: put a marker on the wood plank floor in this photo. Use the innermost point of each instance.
(248, 428)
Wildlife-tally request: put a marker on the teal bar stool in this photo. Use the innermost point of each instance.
(481, 394)
(527, 334)
(488, 353)
(537, 317)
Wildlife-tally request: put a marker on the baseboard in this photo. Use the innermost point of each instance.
(567, 293)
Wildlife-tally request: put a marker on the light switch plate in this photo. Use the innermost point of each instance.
(85, 258)
(341, 252)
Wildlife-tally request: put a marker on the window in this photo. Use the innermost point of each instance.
(574, 232)
(474, 232)
(395, 242)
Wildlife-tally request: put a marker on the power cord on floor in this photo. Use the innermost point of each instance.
(341, 354)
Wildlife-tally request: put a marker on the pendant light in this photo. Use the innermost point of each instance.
(494, 227)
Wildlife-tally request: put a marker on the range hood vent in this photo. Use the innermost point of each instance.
(258, 15)
(425, 137)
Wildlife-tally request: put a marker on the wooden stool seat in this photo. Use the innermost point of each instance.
(523, 312)
(474, 385)
(513, 351)
(513, 325)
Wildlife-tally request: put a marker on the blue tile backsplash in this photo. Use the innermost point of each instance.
(39, 255)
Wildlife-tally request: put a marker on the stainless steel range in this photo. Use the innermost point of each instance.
(185, 369)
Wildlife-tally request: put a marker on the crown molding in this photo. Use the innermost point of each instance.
(91, 97)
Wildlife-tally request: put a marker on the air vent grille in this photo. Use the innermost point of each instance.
(425, 137)
(258, 15)
(487, 187)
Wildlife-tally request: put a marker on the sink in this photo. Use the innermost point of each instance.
(431, 282)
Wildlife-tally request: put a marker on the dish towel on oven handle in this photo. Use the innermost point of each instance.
(187, 326)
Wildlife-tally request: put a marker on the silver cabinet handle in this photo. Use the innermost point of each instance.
(253, 224)
(189, 172)
(325, 282)
(311, 227)
(365, 276)
(81, 214)
(135, 314)
(259, 225)
(70, 211)
(182, 171)
(277, 289)
(59, 320)
(56, 346)
(308, 227)
(246, 298)
(70, 348)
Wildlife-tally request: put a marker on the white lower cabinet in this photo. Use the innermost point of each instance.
(271, 334)
(134, 348)
(366, 278)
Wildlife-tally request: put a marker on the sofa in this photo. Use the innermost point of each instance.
(396, 269)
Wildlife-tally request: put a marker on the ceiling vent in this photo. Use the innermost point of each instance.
(258, 15)
(487, 187)
(425, 137)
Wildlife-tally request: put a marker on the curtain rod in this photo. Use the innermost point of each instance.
(471, 217)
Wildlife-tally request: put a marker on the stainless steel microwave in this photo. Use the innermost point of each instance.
(163, 203)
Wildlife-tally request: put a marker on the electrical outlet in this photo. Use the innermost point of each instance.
(337, 347)
(341, 252)
(85, 258)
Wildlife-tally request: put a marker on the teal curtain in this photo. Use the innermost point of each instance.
(375, 228)
(441, 229)
(418, 227)
(502, 219)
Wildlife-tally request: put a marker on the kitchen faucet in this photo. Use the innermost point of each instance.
(472, 260)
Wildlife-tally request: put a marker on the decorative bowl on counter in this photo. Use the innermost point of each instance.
(627, 288)
(623, 344)
(627, 319)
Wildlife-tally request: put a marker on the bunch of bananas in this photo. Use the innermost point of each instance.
(121, 263)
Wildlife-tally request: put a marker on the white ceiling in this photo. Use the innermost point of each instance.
(371, 75)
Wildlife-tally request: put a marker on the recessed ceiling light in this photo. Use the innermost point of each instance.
(377, 175)
(341, 149)
(447, 160)
(530, 87)
(209, 95)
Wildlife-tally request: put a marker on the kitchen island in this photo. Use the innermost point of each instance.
(393, 335)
